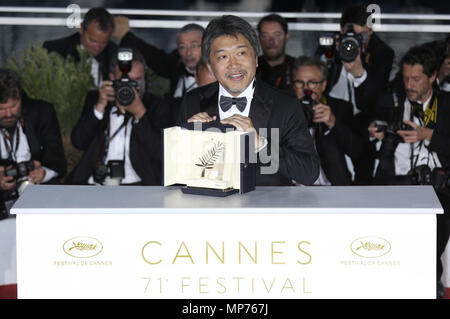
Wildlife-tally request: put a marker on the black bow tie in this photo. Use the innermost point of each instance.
(227, 102)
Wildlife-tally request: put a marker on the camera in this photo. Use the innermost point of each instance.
(307, 103)
(441, 180)
(327, 48)
(20, 172)
(349, 45)
(420, 175)
(124, 86)
(111, 173)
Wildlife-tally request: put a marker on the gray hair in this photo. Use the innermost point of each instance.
(312, 61)
(191, 27)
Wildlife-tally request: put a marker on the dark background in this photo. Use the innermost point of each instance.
(16, 38)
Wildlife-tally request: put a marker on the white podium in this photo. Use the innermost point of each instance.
(274, 242)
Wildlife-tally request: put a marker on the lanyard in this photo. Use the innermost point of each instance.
(109, 139)
(9, 143)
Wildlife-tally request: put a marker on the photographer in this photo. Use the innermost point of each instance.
(120, 128)
(329, 120)
(274, 65)
(415, 146)
(359, 72)
(94, 37)
(30, 141)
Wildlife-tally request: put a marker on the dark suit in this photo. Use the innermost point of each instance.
(68, 47)
(41, 127)
(281, 76)
(145, 144)
(340, 140)
(298, 159)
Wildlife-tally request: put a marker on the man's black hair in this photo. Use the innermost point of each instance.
(274, 18)
(355, 14)
(424, 56)
(228, 25)
(102, 16)
(10, 86)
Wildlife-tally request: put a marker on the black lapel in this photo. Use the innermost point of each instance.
(261, 105)
(209, 100)
(28, 130)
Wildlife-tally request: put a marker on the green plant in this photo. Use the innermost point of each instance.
(59, 81)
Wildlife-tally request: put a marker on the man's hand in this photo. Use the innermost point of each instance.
(419, 133)
(37, 175)
(355, 67)
(202, 117)
(136, 108)
(323, 114)
(6, 182)
(105, 94)
(373, 132)
(121, 27)
(245, 124)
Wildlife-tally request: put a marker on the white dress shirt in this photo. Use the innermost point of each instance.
(119, 145)
(185, 84)
(248, 93)
(421, 153)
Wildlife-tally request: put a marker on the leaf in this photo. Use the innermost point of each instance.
(211, 156)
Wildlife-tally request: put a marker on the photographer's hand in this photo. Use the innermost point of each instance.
(105, 94)
(121, 27)
(37, 175)
(373, 132)
(355, 67)
(6, 182)
(419, 133)
(323, 114)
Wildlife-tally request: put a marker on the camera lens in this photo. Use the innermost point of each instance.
(348, 50)
(125, 95)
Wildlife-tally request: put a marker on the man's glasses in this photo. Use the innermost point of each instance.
(299, 84)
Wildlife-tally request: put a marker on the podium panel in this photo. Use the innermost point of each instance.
(275, 242)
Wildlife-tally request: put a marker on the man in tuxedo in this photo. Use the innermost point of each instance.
(230, 47)
(121, 143)
(94, 37)
(361, 81)
(274, 65)
(177, 66)
(423, 143)
(330, 121)
(30, 138)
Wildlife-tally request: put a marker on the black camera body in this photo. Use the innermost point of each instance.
(308, 103)
(420, 175)
(114, 169)
(441, 180)
(349, 44)
(124, 86)
(20, 172)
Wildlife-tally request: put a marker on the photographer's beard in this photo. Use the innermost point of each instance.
(275, 53)
(9, 122)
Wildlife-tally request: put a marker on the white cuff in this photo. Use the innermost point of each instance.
(97, 114)
(49, 174)
(265, 142)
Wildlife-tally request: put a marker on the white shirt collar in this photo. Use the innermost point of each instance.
(248, 92)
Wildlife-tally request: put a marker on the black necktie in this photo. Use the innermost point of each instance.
(227, 102)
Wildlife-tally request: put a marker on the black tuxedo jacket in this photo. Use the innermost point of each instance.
(440, 140)
(298, 159)
(145, 144)
(68, 46)
(340, 140)
(41, 128)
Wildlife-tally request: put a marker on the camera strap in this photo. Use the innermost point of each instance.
(108, 138)
(9, 145)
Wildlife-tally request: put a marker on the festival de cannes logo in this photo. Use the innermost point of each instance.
(82, 247)
(370, 247)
